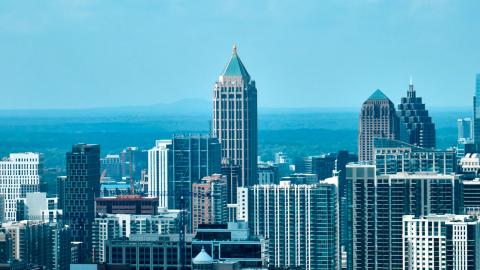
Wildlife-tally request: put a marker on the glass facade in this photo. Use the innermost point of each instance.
(393, 156)
(376, 205)
(476, 111)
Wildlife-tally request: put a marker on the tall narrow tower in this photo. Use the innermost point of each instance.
(476, 111)
(235, 118)
(378, 119)
(416, 125)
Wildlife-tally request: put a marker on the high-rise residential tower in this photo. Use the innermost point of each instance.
(209, 201)
(81, 187)
(235, 118)
(19, 174)
(378, 119)
(300, 221)
(476, 111)
(377, 203)
(416, 125)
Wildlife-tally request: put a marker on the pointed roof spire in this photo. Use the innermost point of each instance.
(378, 95)
(235, 66)
(234, 49)
(411, 91)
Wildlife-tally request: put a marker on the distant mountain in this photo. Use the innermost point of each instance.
(183, 107)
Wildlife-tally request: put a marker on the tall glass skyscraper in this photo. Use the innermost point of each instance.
(416, 125)
(476, 111)
(80, 189)
(235, 118)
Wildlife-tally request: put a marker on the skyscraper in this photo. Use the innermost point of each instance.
(377, 203)
(19, 174)
(464, 129)
(235, 118)
(210, 201)
(81, 187)
(378, 119)
(174, 165)
(476, 111)
(300, 221)
(441, 242)
(416, 125)
(159, 173)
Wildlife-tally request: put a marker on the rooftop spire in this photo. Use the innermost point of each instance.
(235, 67)
(411, 91)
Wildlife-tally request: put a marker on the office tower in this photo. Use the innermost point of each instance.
(378, 119)
(149, 251)
(416, 125)
(300, 221)
(441, 242)
(232, 241)
(19, 174)
(36, 206)
(235, 118)
(464, 129)
(376, 205)
(175, 165)
(232, 172)
(160, 173)
(111, 168)
(476, 111)
(193, 157)
(109, 226)
(324, 165)
(267, 174)
(2, 208)
(393, 156)
(81, 187)
(127, 204)
(343, 158)
(209, 201)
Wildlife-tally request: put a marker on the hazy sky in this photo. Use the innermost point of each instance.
(92, 53)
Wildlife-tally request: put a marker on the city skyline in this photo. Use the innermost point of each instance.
(142, 62)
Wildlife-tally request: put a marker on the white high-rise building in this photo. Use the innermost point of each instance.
(19, 174)
(441, 242)
(158, 172)
(111, 226)
(300, 221)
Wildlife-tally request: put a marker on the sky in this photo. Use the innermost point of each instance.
(108, 53)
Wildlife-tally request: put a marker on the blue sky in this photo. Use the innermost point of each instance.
(92, 53)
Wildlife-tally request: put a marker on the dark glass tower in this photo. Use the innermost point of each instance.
(476, 112)
(80, 188)
(378, 119)
(235, 118)
(416, 125)
(192, 158)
